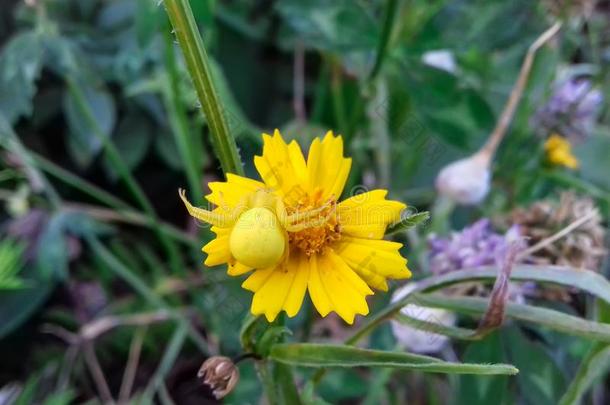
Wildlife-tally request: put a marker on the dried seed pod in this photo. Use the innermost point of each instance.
(220, 374)
(581, 248)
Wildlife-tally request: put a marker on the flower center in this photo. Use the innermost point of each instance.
(314, 239)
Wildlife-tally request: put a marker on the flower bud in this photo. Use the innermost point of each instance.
(420, 340)
(465, 181)
(220, 374)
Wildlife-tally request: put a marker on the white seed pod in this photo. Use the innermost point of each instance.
(465, 181)
(420, 340)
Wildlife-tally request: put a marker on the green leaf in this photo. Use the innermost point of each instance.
(270, 337)
(549, 318)
(591, 370)
(585, 280)
(328, 355)
(84, 144)
(132, 139)
(287, 390)
(20, 66)
(473, 390)
(341, 25)
(11, 264)
(540, 379)
(407, 222)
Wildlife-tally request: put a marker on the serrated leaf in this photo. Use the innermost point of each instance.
(408, 222)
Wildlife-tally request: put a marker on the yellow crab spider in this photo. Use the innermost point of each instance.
(260, 226)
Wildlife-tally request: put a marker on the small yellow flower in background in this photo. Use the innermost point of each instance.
(559, 152)
(294, 236)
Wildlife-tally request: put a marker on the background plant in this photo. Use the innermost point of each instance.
(100, 124)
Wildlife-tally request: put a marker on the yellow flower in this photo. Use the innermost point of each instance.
(294, 236)
(559, 152)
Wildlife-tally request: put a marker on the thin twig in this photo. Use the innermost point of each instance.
(100, 326)
(132, 365)
(67, 367)
(95, 369)
(555, 237)
(298, 101)
(128, 217)
(91, 330)
(499, 131)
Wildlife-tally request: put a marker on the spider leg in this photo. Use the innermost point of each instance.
(205, 215)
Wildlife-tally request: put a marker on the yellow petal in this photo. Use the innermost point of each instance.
(316, 288)
(257, 279)
(270, 298)
(298, 161)
(237, 269)
(339, 265)
(294, 300)
(277, 170)
(327, 168)
(346, 300)
(379, 257)
(218, 249)
(368, 214)
(232, 192)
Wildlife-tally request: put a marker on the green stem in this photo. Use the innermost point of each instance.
(389, 17)
(167, 361)
(262, 369)
(336, 85)
(389, 20)
(185, 28)
(287, 392)
(178, 120)
(123, 171)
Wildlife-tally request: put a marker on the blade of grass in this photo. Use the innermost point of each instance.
(549, 318)
(585, 280)
(167, 361)
(135, 282)
(593, 367)
(126, 175)
(389, 17)
(78, 183)
(132, 218)
(187, 33)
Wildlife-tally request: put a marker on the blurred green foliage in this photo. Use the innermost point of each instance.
(79, 75)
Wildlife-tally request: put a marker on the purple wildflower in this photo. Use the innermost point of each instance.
(476, 245)
(571, 111)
